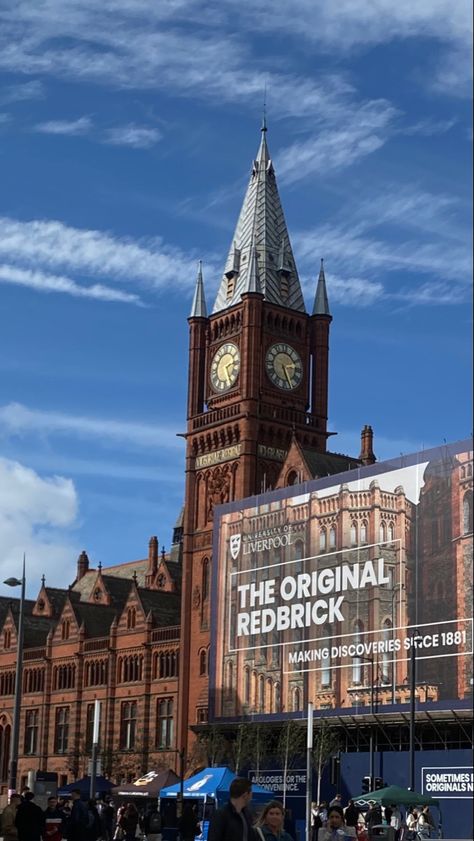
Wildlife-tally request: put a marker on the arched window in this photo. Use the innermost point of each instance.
(382, 533)
(269, 699)
(357, 662)
(391, 533)
(254, 689)
(205, 579)
(247, 685)
(322, 539)
(326, 661)
(277, 697)
(467, 512)
(65, 628)
(386, 636)
(296, 699)
(230, 677)
(261, 693)
(332, 537)
(131, 618)
(354, 534)
(292, 478)
(7, 639)
(203, 661)
(363, 531)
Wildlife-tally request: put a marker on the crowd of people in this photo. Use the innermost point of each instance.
(71, 819)
(79, 820)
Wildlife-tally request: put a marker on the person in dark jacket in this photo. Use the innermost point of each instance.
(351, 814)
(54, 819)
(188, 824)
(29, 819)
(94, 828)
(78, 821)
(233, 822)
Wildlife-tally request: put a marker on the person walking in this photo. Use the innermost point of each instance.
(8, 828)
(128, 822)
(188, 824)
(411, 822)
(351, 814)
(336, 801)
(233, 822)
(270, 825)
(78, 820)
(336, 829)
(29, 819)
(53, 821)
(396, 821)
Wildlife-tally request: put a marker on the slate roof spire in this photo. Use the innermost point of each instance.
(261, 236)
(199, 309)
(321, 303)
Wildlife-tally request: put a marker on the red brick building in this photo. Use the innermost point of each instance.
(113, 635)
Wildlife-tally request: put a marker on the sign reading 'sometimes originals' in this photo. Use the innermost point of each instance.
(319, 588)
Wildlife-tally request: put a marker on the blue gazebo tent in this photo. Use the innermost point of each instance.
(102, 786)
(208, 790)
(213, 783)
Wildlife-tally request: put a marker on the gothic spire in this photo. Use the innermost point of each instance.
(321, 303)
(261, 236)
(199, 309)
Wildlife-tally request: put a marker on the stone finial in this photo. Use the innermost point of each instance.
(366, 445)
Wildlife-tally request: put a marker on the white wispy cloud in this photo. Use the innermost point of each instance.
(138, 137)
(393, 233)
(17, 419)
(33, 89)
(41, 282)
(95, 253)
(361, 131)
(132, 44)
(78, 127)
(38, 517)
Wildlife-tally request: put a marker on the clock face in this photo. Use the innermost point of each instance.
(225, 367)
(283, 366)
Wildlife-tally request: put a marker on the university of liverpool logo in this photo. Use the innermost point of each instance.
(234, 544)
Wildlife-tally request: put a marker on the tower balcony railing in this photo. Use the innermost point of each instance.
(269, 411)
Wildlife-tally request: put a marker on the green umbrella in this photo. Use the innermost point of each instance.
(398, 796)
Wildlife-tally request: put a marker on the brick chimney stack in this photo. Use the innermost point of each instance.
(82, 565)
(152, 560)
(366, 445)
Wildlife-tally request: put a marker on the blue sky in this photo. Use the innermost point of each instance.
(127, 131)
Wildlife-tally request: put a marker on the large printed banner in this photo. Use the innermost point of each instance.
(321, 591)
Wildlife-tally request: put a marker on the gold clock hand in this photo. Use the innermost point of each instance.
(285, 368)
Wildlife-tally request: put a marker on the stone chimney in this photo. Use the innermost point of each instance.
(152, 560)
(82, 565)
(366, 445)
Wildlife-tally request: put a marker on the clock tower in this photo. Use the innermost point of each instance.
(257, 403)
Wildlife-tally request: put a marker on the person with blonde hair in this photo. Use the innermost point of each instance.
(270, 824)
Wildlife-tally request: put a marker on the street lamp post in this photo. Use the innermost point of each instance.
(414, 639)
(17, 582)
(372, 710)
(400, 586)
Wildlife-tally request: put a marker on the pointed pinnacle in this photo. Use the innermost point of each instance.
(199, 309)
(321, 303)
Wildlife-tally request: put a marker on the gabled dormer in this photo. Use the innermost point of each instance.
(8, 633)
(133, 615)
(100, 593)
(68, 625)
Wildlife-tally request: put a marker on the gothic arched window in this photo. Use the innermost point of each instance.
(467, 512)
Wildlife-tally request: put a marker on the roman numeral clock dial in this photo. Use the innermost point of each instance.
(283, 366)
(225, 367)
